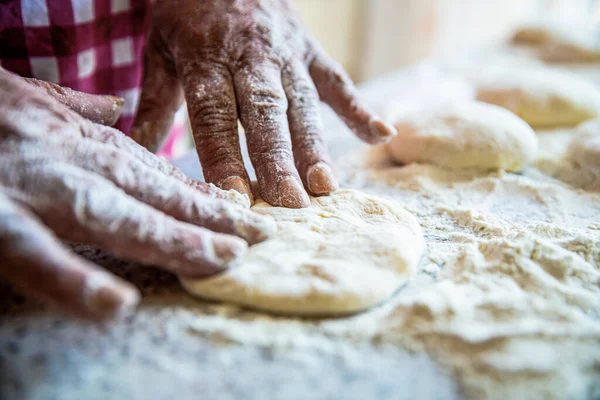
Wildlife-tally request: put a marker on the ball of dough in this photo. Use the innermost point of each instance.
(464, 135)
(534, 34)
(584, 149)
(345, 253)
(543, 97)
(560, 42)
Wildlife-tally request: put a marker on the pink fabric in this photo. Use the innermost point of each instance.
(169, 149)
(94, 46)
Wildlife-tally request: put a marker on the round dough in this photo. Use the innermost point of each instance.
(345, 253)
(541, 96)
(535, 34)
(584, 149)
(464, 135)
(558, 42)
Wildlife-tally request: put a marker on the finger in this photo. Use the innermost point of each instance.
(337, 90)
(35, 261)
(103, 110)
(118, 140)
(86, 208)
(310, 152)
(263, 105)
(212, 107)
(160, 98)
(167, 194)
(45, 116)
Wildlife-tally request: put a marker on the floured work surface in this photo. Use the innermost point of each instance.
(506, 301)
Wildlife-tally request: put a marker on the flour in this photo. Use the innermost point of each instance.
(509, 295)
(514, 309)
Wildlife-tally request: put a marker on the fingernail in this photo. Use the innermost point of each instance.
(228, 249)
(320, 179)
(110, 299)
(291, 193)
(238, 184)
(382, 129)
(118, 102)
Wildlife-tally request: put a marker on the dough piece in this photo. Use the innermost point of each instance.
(343, 254)
(464, 135)
(558, 42)
(534, 34)
(572, 155)
(585, 148)
(541, 96)
(584, 152)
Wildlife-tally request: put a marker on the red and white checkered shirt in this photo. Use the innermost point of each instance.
(93, 46)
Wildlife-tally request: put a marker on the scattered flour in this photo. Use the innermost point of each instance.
(508, 298)
(509, 295)
(514, 307)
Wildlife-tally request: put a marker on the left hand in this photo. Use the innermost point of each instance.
(63, 177)
(252, 60)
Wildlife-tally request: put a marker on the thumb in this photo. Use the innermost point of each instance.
(160, 98)
(103, 110)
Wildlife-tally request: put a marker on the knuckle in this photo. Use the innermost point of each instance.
(276, 155)
(338, 77)
(101, 209)
(332, 71)
(220, 156)
(214, 116)
(260, 86)
(305, 95)
(266, 97)
(309, 142)
(259, 50)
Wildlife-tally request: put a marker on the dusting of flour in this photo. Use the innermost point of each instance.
(513, 309)
(508, 296)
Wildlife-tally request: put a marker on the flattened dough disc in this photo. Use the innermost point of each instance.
(343, 254)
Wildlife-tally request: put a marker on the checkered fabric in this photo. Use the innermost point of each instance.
(93, 46)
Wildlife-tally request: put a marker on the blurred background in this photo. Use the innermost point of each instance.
(373, 37)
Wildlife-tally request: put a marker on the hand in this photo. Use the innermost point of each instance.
(62, 176)
(252, 60)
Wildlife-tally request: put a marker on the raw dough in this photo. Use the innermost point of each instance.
(584, 151)
(536, 33)
(464, 135)
(343, 254)
(572, 155)
(558, 42)
(585, 146)
(541, 96)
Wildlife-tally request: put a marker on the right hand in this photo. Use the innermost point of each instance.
(252, 60)
(65, 177)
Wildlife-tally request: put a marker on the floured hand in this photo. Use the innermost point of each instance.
(252, 60)
(64, 177)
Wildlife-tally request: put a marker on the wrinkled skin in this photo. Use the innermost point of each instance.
(65, 177)
(250, 60)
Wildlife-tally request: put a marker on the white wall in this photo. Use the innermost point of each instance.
(339, 26)
(372, 37)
